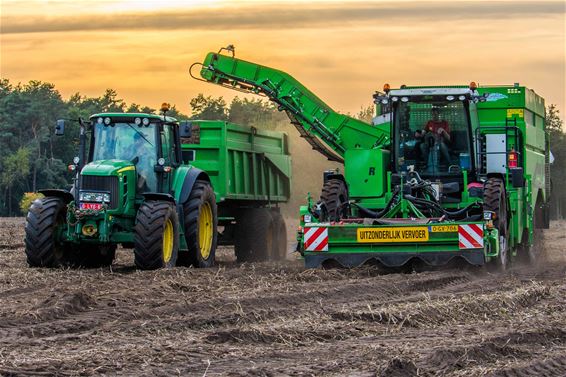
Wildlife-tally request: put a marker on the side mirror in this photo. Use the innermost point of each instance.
(185, 128)
(60, 127)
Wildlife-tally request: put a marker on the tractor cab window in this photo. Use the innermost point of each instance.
(130, 142)
(433, 137)
(168, 147)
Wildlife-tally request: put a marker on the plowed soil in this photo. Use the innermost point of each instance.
(271, 319)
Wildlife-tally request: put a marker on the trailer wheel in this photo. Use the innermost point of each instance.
(254, 235)
(334, 195)
(495, 200)
(156, 238)
(279, 251)
(44, 221)
(201, 222)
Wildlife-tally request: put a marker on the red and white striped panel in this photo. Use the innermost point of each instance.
(316, 239)
(470, 236)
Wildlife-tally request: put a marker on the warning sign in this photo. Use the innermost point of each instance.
(409, 234)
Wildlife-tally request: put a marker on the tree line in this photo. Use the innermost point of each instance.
(32, 157)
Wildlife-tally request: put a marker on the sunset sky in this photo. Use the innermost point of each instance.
(343, 51)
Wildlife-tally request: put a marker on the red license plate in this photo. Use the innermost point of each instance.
(95, 206)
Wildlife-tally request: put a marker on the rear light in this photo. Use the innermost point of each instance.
(72, 167)
(513, 157)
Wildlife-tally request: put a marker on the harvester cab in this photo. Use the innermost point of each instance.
(432, 136)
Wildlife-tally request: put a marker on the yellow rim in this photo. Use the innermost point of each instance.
(168, 241)
(205, 230)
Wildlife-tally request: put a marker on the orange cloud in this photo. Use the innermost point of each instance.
(342, 51)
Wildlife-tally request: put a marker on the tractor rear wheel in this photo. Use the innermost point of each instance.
(201, 222)
(495, 200)
(334, 196)
(254, 235)
(280, 236)
(44, 222)
(156, 238)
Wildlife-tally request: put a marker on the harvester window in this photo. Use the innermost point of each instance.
(432, 136)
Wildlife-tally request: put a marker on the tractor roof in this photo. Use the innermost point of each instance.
(134, 115)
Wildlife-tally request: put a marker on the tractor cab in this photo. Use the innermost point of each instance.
(145, 142)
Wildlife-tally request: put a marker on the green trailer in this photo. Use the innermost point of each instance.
(250, 171)
(166, 189)
(442, 173)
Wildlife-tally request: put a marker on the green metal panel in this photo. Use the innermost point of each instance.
(366, 172)
(243, 163)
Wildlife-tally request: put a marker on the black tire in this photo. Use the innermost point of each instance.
(334, 195)
(530, 254)
(153, 248)
(279, 251)
(44, 220)
(201, 252)
(94, 256)
(495, 199)
(254, 235)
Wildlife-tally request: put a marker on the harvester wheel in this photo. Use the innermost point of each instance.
(495, 200)
(530, 253)
(201, 223)
(156, 238)
(254, 235)
(334, 195)
(44, 221)
(280, 236)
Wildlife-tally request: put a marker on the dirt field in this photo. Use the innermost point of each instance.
(278, 319)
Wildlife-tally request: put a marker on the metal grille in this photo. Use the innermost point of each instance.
(98, 183)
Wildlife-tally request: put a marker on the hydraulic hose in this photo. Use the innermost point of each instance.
(378, 214)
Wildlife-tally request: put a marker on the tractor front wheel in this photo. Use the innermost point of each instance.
(156, 238)
(44, 223)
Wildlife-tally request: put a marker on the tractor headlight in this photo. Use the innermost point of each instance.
(488, 215)
(97, 197)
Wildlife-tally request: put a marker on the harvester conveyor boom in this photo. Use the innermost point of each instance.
(314, 119)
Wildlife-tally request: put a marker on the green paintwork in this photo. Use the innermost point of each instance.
(365, 149)
(366, 172)
(243, 163)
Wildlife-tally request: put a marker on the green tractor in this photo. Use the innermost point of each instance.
(130, 187)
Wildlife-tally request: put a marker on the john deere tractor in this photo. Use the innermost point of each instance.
(130, 187)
